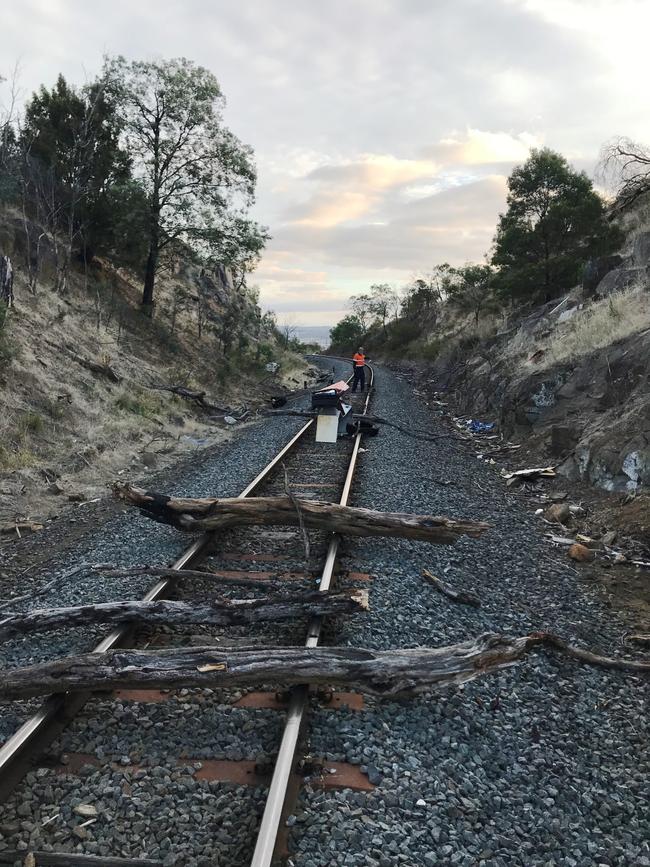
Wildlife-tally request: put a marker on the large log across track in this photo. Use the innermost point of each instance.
(205, 515)
(387, 673)
(219, 612)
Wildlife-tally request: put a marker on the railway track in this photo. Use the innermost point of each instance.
(311, 470)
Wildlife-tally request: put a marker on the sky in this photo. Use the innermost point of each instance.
(384, 130)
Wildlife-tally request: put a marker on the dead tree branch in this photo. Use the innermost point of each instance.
(448, 591)
(384, 673)
(218, 612)
(207, 515)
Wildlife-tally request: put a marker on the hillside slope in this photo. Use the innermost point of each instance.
(66, 429)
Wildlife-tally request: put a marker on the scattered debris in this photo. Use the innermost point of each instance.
(609, 538)
(473, 425)
(229, 419)
(560, 540)
(558, 513)
(272, 367)
(532, 473)
(86, 810)
(455, 595)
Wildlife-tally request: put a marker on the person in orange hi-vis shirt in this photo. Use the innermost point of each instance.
(359, 364)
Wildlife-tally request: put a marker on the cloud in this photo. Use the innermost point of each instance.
(480, 147)
(383, 129)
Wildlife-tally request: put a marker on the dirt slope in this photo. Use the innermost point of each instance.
(66, 430)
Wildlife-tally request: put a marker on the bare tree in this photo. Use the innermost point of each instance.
(625, 165)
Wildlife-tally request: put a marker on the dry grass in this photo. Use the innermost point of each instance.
(597, 325)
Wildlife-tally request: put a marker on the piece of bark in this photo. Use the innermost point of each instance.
(220, 612)
(386, 673)
(206, 515)
(446, 590)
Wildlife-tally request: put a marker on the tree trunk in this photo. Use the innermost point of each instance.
(220, 612)
(150, 278)
(215, 514)
(386, 673)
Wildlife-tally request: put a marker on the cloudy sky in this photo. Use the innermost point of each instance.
(384, 129)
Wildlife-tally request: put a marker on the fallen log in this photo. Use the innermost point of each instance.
(94, 367)
(384, 673)
(448, 591)
(198, 397)
(206, 515)
(219, 612)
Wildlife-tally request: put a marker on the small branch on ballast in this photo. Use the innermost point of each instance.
(446, 590)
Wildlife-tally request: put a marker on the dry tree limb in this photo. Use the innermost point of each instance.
(197, 397)
(446, 590)
(166, 572)
(102, 369)
(218, 612)
(384, 673)
(209, 514)
(45, 588)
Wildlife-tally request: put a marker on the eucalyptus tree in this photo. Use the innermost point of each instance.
(198, 177)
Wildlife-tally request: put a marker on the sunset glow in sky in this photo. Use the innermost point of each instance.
(384, 130)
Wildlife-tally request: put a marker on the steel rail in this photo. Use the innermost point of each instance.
(54, 707)
(267, 837)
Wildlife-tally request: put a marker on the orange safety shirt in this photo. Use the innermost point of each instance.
(359, 359)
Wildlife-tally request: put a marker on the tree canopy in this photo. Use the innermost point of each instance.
(554, 222)
(347, 333)
(199, 179)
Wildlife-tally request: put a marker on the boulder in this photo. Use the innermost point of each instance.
(620, 278)
(595, 270)
(581, 553)
(563, 439)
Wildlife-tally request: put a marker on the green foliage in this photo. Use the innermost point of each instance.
(471, 291)
(554, 222)
(198, 178)
(376, 306)
(70, 140)
(401, 333)
(142, 404)
(346, 333)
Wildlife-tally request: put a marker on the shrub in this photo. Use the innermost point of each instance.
(16, 459)
(31, 422)
(142, 404)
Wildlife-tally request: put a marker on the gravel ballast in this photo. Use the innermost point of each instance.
(543, 764)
